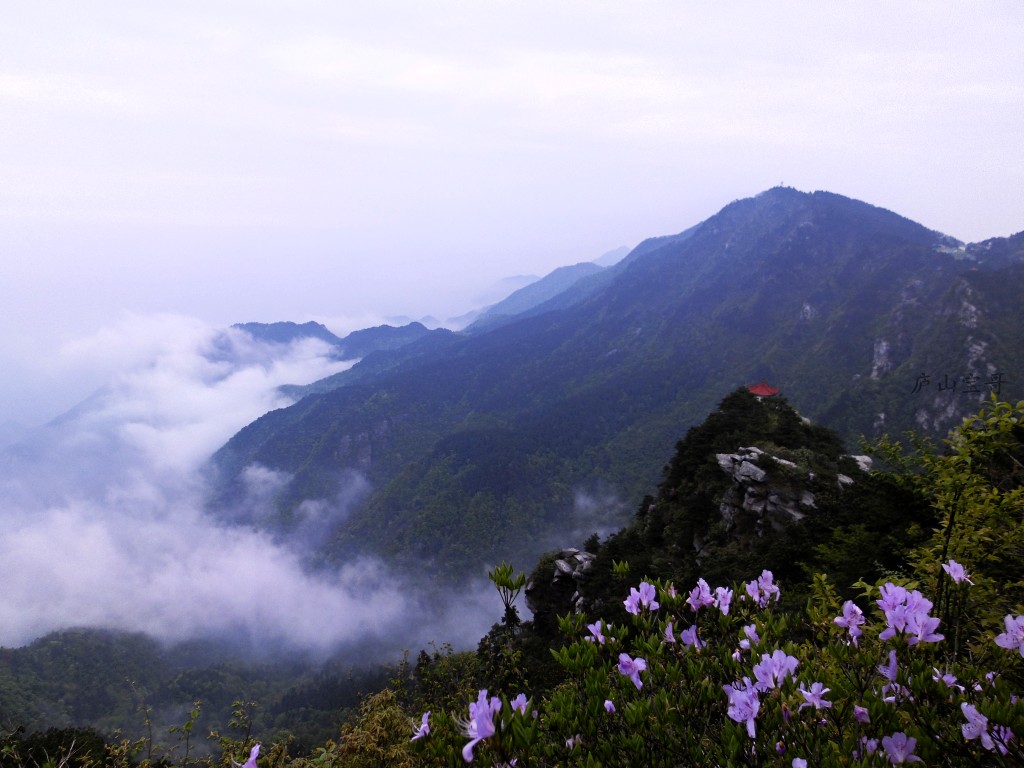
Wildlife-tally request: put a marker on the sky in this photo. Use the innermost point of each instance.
(350, 162)
(169, 169)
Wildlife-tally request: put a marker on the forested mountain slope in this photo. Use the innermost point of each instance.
(500, 444)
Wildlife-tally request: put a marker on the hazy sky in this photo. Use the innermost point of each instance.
(167, 169)
(348, 161)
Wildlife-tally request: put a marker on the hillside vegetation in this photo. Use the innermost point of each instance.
(790, 583)
(502, 442)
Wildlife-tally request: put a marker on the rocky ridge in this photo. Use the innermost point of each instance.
(769, 491)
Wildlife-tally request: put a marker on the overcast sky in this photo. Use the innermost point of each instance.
(349, 161)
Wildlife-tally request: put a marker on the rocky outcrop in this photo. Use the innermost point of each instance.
(571, 567)
(768, 492)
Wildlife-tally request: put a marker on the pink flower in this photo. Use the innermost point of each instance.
(519, 703)
(899, 748)
(641, 597)
(1013, 637)
(743, 704)
(253, 754)
(815, 697)
(689, 638)
(946, 677)
(956, 572)
(723, 599)
(480, 725)
(889, 670)
(670, 636)
(700, 596)
(851, 620)
(632, 668)
(772, 670)
(763, 589)
(892, 595)
(976, 726)
(424, 728)
(750, 630)
(907, 612)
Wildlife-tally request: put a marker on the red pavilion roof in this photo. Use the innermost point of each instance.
(763, 389)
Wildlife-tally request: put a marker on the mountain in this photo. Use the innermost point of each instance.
(534, 295)
(612, 257)
(357, 344)
(287, 332)
(506, 442)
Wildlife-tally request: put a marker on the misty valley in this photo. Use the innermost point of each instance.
(673, 507)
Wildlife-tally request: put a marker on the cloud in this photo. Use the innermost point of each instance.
(104, 522)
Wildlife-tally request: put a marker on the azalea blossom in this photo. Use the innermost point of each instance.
(946, 677)
(519, 703)
(860, 714)
(815, 697)
(700, 596)
(689, 638)
(763, 589)
(892, 595)
(889, 670)
(899, 748)
(641, 597)
(750, 630)
(772, 670)
(956, 572)
(609, 706)
(892, 690)
(723, 599)
(976, 726)
(647, 595)
(670, 636)
(908, 613)
(253, 754)
(1002, 736)
(595, 633)
(870, 747)
(851, 620)
(1013, 637)
(480, 725)
(424, 728)
(632, 668)
(799, 762)
(743, 704)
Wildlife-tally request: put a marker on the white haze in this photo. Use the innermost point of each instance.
(103, 522)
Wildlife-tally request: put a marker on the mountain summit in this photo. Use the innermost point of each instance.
(507, 441)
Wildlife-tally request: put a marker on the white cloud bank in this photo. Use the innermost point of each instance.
(102, 511)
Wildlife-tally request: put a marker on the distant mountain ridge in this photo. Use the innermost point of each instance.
(355, 345)
(500, 443)
(534, 295)
(287, 332)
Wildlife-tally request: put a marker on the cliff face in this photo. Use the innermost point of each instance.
(767, 492)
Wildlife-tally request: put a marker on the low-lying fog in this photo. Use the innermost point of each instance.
(103, 521)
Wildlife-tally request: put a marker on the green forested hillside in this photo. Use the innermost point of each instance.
(482, 447)
(894, 523)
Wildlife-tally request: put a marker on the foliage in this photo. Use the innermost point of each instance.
(922, 661)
